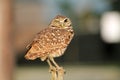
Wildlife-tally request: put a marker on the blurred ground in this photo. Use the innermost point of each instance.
(77, 72)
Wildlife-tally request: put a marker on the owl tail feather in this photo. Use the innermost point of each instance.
(33, 53)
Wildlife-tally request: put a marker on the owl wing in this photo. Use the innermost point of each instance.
(34, 47)
(36, 38)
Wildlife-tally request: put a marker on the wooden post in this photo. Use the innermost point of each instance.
(6, 52)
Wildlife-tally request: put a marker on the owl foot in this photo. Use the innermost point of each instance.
(56, 71)
(60, 73)
(61, 70)
(53, 72)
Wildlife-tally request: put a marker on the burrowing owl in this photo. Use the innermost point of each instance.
(52, 41)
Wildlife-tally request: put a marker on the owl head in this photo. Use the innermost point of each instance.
(61, 22)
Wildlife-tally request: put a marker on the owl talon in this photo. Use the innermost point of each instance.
(61, 70)
(52, 69)
(60, 73)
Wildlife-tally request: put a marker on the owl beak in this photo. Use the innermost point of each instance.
(62, 25)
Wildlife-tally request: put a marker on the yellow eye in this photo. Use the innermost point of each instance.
(66, 20)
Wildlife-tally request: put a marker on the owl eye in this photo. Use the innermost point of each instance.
(66, 20)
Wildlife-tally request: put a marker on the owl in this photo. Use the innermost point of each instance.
(52, 41)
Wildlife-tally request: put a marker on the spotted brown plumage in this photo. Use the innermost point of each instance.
(52, 41)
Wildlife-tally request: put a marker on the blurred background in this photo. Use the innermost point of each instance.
(93, 54)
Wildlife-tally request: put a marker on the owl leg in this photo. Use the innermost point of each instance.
(53, 70)
(60, 70)
(49, 63)
(53, 61)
